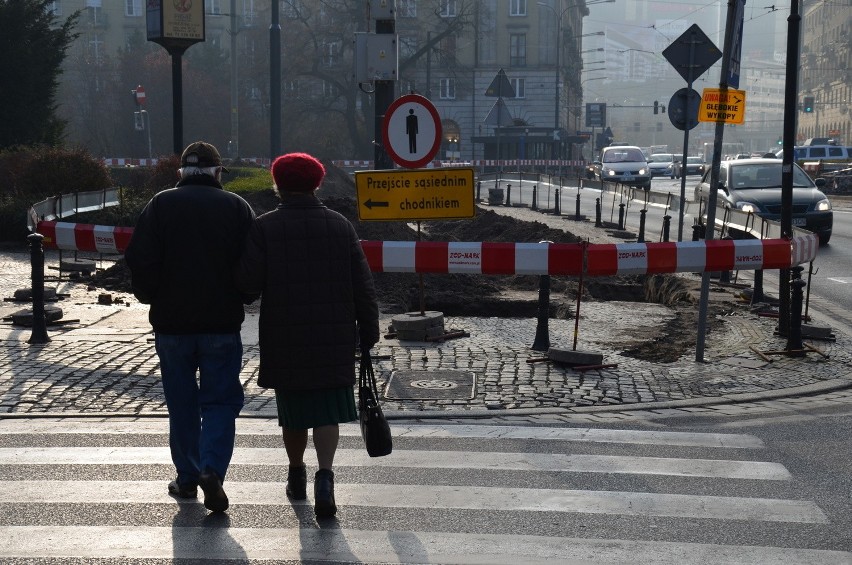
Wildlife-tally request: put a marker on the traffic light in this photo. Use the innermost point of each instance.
(656, 107)
(808, 104)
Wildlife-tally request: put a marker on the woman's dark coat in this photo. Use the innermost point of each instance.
(306, 261)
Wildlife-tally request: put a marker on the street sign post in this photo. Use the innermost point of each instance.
(411, 131)
(726, 106)
(683, 108)
(416, 194)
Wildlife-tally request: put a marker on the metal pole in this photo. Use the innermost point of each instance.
(39, 334)
(177, 102)
(791, 94)
(235, 103)
(274, 82)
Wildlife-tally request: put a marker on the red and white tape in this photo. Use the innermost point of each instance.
(491, 258)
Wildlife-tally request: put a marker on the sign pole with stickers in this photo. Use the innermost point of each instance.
(734, 25)
(176, 25)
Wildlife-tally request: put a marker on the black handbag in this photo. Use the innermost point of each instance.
(374, 426)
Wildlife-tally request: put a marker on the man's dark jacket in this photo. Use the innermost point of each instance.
(307, 262)
(182, 256)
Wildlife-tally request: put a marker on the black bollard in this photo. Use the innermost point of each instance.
(667, 222)
(725, 277)
(534, 205)
(621, 216)
(577, 208)
(542, 332)
(794, 337)
(39, 334)
(697, 232)
(508, 195)
(479, 191)
(556, 206)
(598, 222)
(642, 213)
(757, 295)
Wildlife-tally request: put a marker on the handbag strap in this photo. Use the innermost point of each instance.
(367, 377)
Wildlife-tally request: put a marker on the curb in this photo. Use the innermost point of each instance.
(822, 387)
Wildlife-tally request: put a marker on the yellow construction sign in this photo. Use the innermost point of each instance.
(719, 106)
(415, 194)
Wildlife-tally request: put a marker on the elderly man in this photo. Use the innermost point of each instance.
(182, 254)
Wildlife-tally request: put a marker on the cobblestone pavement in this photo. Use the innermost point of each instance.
(100, 360)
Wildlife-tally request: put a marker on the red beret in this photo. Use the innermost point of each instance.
(297, 172)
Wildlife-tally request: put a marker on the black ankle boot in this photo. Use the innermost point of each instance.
(297, 483)
(324, 506)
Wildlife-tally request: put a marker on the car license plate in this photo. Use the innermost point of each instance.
(627, 177)
(800, 221)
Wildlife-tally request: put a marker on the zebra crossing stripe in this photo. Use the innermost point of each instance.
(493, 461)
(437, 497)
(347, 545)
(270, 427)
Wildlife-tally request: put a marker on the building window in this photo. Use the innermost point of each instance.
(448, 9)
(447, 51)
(517, 7)
(406, 8)
(519, 85)
(329, 89)
(290, 8)
(55, 7)
(133, 8)
(291, 89)
(407, 46)
(518, 50)
(448, 89)
(96, 49)
(330, 54)
(214, 7)
(249, 13)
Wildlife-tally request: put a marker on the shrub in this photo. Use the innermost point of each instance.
(46, 171)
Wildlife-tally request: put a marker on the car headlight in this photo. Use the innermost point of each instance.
(823, 205)
(747, 207)
(642, 171)
(610, 172)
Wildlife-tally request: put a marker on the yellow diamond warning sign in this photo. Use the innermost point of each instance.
(415, 194)
(722, 106)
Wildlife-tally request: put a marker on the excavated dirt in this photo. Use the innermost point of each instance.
(502, 296)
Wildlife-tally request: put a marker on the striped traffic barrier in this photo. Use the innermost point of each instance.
(497, 258)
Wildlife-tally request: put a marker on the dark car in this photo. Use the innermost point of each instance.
(694, 166)
(754, 185)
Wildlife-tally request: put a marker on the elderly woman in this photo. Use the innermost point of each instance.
(317, 292)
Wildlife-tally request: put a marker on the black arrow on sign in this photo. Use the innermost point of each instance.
(371, 204)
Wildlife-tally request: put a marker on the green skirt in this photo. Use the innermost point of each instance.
(305, 409)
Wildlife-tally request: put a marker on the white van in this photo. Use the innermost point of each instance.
(820, 152)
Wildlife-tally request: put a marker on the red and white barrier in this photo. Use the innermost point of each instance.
(491, 258)
(84, 237)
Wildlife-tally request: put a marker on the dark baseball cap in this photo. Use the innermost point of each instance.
(201, 154)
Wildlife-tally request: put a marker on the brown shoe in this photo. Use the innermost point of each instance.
(215, 498)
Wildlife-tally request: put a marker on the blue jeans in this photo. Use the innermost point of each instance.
(202, 412)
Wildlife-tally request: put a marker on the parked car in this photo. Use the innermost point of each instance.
(694, 166)
(754, 185)
(663, 164)
(625, 164)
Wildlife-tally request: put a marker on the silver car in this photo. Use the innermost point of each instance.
(625, 164)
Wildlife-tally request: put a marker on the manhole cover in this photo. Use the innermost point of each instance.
(431, 385)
